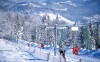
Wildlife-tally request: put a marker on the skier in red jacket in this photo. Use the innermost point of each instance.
(76, 50)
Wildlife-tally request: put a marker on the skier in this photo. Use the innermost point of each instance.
(62, 50)
(73, 49)
(76, 50)
(42, 45)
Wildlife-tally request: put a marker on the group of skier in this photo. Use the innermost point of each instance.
(62, 50)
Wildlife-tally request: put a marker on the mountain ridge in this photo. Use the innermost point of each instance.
(70, 9)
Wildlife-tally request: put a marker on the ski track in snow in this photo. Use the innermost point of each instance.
(13, 52)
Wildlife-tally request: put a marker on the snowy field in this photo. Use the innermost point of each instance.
(21, 52)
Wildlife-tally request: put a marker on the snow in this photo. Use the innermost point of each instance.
(65, 9)
(69, 3)
(44, 4)
(30, 4)
(53, 17)
(24, 51)
(33, 5)
(74, 28)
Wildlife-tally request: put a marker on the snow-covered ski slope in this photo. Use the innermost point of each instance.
(22, 52)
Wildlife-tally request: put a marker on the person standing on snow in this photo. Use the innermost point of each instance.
(42, 45)
(76, 50)
(62, 50)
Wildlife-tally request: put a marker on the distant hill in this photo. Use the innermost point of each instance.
(73, 10)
